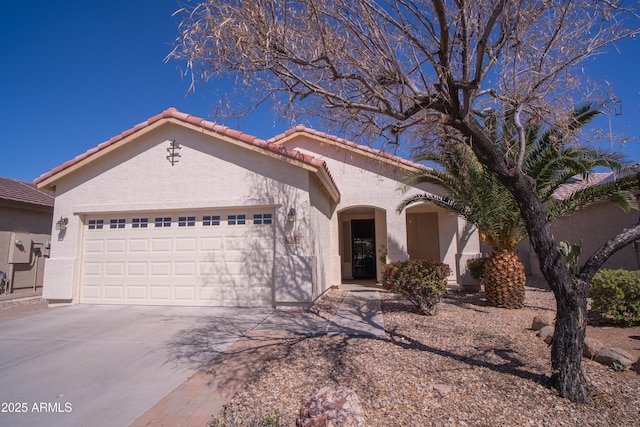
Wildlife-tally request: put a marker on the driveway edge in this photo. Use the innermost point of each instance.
(195, 401)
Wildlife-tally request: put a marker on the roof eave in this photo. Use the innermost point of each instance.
(368, 152)
(49, 180)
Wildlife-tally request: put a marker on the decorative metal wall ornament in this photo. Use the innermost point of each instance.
(173, 152)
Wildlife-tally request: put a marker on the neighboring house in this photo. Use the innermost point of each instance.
(591, 226)
(182, 211)
(26, 214)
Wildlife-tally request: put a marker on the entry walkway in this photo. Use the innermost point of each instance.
(359, 315)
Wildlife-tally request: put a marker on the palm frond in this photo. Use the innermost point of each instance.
(443, 202)
(476, 194)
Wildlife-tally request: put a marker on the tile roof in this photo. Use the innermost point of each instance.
(577, 183)
(350, 144)
(23, 192)
(172, 113)
(29, 193)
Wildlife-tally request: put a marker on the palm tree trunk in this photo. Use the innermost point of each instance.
(504, 280)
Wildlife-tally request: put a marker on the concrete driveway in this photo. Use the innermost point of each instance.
(106, 365)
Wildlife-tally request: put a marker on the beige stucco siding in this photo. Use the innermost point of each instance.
(366, 181)
(320, 213)
(138, 177)
(35, 221)
(593, 226)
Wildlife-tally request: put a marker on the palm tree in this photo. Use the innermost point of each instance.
(474, 193)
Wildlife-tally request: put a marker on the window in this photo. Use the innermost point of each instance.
(163, 221)
(186, 221)
(259, 219)
(236, 219)
(208, 220)
(96, 224)
(116, 223)
(140, 222)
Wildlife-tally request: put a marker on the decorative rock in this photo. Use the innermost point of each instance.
(546, 333)
(609, 355)
(540, 322)
(332, 407)
(590, 348)
(443, 389)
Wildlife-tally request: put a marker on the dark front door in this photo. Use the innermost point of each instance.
(363, 246)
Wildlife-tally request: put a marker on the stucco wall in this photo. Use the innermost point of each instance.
(36, 222)
(369, 182)
(320, 234)
(25, 220)
(25, 276)
(138, 177)
(593, 226)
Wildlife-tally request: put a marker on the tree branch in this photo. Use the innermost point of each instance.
(522, 138)
(604, 252)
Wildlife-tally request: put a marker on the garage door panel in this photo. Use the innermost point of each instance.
(210, 243)
(137, 269)
(114, 269)
(139, 245)
(94, 246)
(93, 269)
(92, 292)
(136, 294)
(261, 294)
(159, 294)
(161, 245)
(186, 293)
(186, 244)
(113, 292)
(235, 243)
(185, 268)
(161, 269)
(116, 246)
(172, 265)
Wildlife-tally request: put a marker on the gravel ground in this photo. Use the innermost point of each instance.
(495, 366)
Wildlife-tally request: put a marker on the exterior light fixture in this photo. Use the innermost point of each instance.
(62, 224)
(291, 216)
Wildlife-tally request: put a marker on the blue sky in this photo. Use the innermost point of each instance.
(75, 73)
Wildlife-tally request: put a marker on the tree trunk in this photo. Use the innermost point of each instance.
(571, 299)
(568, 339)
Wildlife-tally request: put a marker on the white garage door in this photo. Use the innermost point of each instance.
(213, 258)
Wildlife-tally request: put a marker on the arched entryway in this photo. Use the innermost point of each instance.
(363, 241)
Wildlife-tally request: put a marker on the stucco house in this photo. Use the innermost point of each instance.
(591, 226)
(26, 214)
(179, 210)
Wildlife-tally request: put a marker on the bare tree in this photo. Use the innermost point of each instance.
(425, 67)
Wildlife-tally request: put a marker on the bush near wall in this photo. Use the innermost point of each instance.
(423, 282)
(616, 294)
(476, 267)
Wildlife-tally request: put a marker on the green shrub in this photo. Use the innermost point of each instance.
(616, 294)
(423, 282)
(476, 267)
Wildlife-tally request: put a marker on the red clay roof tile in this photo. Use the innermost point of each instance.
(172, 113)
(358, 147)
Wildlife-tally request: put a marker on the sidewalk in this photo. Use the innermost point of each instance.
(359, 315)
(201, 396)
